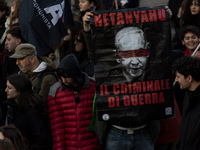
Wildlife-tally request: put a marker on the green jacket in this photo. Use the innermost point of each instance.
(47, 81)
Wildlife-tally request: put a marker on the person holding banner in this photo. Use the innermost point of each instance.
(187, 71)
(89, 5)
(189, 36)
(133, 51)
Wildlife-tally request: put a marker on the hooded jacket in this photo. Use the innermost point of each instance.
(47, 81)
(70, 118)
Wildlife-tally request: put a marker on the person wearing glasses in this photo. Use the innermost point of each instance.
(81, 54)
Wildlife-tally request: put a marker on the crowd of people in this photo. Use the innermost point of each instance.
(47, 102)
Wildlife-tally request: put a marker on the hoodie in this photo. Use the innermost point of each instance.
(70, 65)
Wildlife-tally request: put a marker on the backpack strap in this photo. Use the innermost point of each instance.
(40, 77)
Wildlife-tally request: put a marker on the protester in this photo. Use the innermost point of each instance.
(89, 5)
(40, 71)
(12, 18)
(187, 70)
(190, 13)
(66, 46)
(132, 51)
(70, 107)
(82, 56)
(6, 144)
(67, 43)
(189, 35)
(178, 93)
(24, 111)
(14, 134)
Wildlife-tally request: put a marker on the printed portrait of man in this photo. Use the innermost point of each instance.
(132, 52)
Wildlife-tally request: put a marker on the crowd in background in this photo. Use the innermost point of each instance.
(47, 101)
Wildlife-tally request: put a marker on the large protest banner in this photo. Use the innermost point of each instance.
(133, 65)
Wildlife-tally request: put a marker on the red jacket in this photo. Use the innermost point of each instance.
(70, 120)
(187, 53)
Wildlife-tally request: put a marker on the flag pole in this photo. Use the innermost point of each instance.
(195, 50)
(116, 5)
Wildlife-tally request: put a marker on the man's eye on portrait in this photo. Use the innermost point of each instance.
(139, 52)
(133, 53)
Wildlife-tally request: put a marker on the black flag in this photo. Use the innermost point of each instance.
(44, 23)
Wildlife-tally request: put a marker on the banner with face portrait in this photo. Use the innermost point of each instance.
(133, 65)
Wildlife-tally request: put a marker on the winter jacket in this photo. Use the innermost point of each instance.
(31, 125)
(47, 81)
(189, 138)
(70, 110)
(187, 53)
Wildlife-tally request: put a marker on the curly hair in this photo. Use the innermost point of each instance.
(188, 65)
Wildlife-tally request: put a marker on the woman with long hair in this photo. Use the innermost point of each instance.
(12, 133)
(24, 111)
(82, 55)
(190, 13)
(6, 144)
(12, 18)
